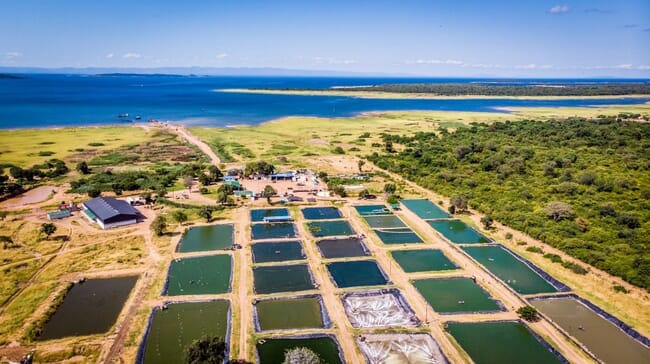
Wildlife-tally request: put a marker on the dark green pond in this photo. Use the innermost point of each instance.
(287, 278)
(258, 215)
(500, 342)
(357, 273)
(271, 351)
(203, 238)
(398, 236)
(448, 295)
(341, 248)
(425, 209)
(290, 313)
(330, 228)
(89, 308)
(599, 335)
(366, 210)
(385, 221)
(320, 213)
(510, 270)
(173, 329)
(280, 230)
(277, 251)
(424, 260)
(458, 232)
(199, 275)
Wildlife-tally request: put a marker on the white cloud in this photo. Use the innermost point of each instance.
(131, 55)
(12, 55)
(452, 62)
(110, 55)
(622, 66)
(330, 60)
(221, 55)
(534, 66)
(559, 9)
(483, 65)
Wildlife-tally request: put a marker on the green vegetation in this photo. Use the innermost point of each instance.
(206, 350)
(528, 313)
(300, 355)
(48, 229)
(580, 185)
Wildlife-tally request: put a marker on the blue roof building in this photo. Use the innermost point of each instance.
(110, 212)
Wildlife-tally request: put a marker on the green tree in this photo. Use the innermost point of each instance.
(158, 225)
(206, 213)
(487, 222)
(300, 355)
(390, 188)
(187, 182)
(206, 350)
(392, 199)
(94, 192)
(48, 229)
(82, 167)
(268, 192)
(528, 313)
(204, 179)
(215, 173)
(558, 210)
(363, 194)
(459, 203)
(360, 164)
(179, 216)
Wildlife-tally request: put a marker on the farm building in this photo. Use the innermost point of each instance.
(109, 212)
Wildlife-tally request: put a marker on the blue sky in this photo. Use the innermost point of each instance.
(435, 38)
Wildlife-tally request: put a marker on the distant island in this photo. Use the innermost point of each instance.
(7, 75)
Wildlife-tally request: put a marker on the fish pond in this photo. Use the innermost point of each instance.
(398, 236)
(456, 295)
(321, 213)
(258, 215)
(280, 230)
(89, 308)
(204, 238)
(501, 342)
(289, 313)
(384, 221)
(277, 251)
(356, 273)
(422, 260)
(208, 274)
(342, 248)
(512, 271)
(175, 327)
(271, 350)
(287, 278)
(425, 209)
(330, 228)
(458, 232)
(407, 348)
(369, 210)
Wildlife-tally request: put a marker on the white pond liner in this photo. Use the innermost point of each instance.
(416, 348)
(378, 308)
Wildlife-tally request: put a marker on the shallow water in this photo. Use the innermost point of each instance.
(385, 221)
(356, 273)
(203, 238)
(199, 275)
(425, 209)
(318, 213)
(287, 278)
(341, 248)
(450, 295)
(278, 230)
(422, 260)
(458, 232)
(290, 313)
(271, 351)
(258, 215)
(398, 236)
(277, 251)
(330, 228)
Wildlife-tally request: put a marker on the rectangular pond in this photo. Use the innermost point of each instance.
(356, 273)
(456, 295)
(272, 350)
(277, 251)
(258, 215)
(208, 274)
(458, 232)
(604, 339)
(287, 278)
(425, 209)
(203, 238)
(342, 248)
(321, 213)
(330, 228)
(289, 313)
(512, 271)
(398, 236)
(174, 328)
(411, 348)
(501, 342)
(378, 308)
(89, 308)
(384, 221)
(280, 230)
(369, 210)
(422, 260)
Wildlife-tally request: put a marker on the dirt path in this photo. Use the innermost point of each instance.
(183, 133)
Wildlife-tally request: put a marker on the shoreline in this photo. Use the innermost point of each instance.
(419, 96)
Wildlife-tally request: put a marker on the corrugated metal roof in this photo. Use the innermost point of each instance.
(107, 207)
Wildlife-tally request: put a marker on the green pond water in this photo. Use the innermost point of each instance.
(448, 295)
(277, 251)
(203, 238)
(341, 248)
(500, 342)
(271, 351)
(173, 329)
(287, 278)
(398, 236)
(366, 210)
(89, 308)
(258, 215)
(356, 273)
(199, 275)
(422, 260)
(330, 228)
(458, 232)
(290, 313)
(320, 213)
(425, 209)
(510, 270)
(279, 230)
(600, 336)
(385, 221)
